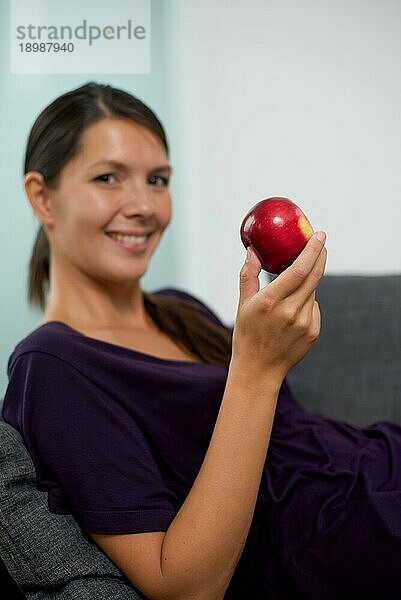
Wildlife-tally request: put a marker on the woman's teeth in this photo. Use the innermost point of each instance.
(129, 239)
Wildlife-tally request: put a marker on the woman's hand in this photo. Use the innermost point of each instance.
(276, 326)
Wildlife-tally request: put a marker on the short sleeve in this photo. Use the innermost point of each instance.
(90, 455)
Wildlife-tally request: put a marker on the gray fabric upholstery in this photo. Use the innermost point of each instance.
(353, 372)
(45, 553)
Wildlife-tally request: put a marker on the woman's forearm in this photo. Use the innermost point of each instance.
(204, 542)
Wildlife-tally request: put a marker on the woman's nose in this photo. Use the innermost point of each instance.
(138, 201)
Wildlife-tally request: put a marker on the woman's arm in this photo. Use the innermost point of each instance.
(196, 557)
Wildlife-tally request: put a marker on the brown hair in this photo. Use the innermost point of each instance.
(54, 140)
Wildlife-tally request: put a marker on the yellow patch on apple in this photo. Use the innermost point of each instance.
(305, 227)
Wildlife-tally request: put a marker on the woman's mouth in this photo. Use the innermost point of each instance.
(134, 243)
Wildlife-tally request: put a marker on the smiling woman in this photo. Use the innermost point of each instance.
(151, 422)
(85, 212)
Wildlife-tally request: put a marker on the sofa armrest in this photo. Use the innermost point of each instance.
(46, 554)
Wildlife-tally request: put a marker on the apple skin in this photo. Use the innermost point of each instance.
(278, 231)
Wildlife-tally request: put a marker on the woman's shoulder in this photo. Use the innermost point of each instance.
(53, 338)
(45, 336)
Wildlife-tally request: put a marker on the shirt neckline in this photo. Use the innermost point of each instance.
(144, 355)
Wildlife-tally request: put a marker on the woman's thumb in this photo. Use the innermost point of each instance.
(248, 276)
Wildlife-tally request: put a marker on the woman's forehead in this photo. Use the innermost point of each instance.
(115, 131)
(119, 140)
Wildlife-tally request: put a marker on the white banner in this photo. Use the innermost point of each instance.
(80, 36)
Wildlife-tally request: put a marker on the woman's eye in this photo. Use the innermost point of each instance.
(105, 178)
(158, 180)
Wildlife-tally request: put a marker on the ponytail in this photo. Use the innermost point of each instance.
(38, 274)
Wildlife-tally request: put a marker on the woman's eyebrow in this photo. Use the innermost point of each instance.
(114, 164)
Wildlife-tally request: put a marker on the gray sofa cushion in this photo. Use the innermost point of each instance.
(45, 553)
(353, 372)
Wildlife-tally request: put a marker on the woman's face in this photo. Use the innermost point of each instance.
(112, 204)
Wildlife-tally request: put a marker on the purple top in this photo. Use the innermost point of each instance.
(118, 437)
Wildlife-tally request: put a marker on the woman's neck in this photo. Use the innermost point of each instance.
(83, 303)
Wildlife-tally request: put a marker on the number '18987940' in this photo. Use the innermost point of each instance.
(46, 47)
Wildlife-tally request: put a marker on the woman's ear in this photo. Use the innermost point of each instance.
(39, 196)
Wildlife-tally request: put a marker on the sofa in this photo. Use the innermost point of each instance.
(352, 373)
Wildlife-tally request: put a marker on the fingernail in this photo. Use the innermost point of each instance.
(248, 254)
(321, 236)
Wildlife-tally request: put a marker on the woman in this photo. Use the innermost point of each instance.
(151, 422)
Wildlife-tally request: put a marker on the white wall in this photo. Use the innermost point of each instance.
(291, 98)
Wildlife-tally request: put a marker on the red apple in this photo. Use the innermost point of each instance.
(278, 230)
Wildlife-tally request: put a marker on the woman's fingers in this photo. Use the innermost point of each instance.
(316, 321)
(248, 277)
(312, 280)
(304, 274)
(308, 320)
